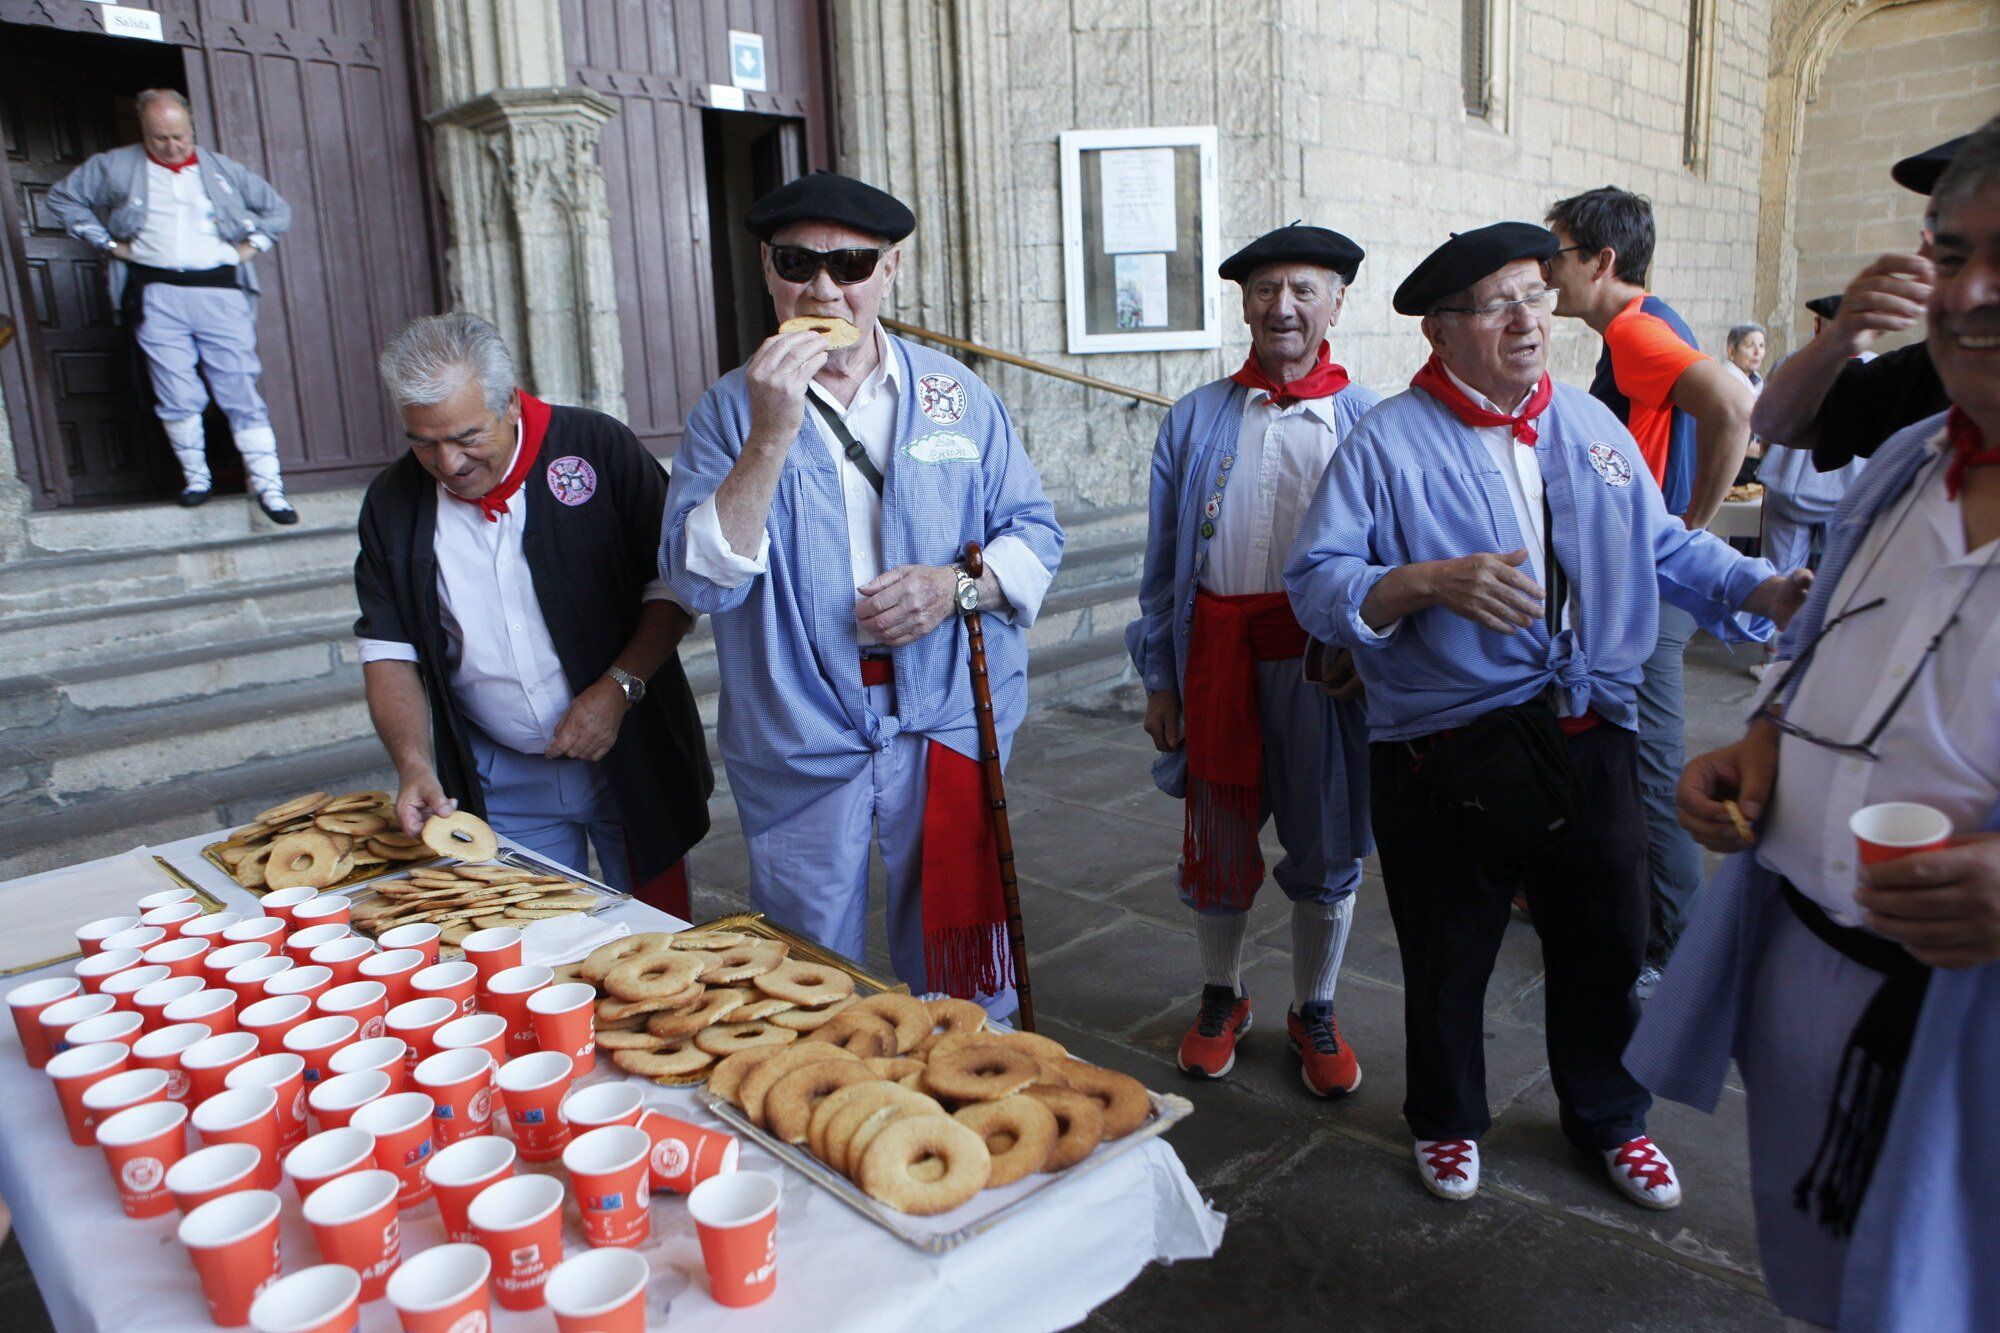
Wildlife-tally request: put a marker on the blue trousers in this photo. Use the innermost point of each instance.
(556, 808)
(191, 332)
(1673, 862)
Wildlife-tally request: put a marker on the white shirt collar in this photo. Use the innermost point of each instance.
(1319, 407)
(886, 371)
(1481, 398)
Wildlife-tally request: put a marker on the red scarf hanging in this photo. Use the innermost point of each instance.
(1968, 449)
(966, 952)
(176, 167)
(534, 425)
(1324, 380)
(1433, 380)
(1220, 861)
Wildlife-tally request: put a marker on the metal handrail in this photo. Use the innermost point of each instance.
(1041, 368)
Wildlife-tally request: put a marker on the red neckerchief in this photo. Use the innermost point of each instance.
(177, 170)
(1968, 449)
(1324, 380)
(1433, 380)
(534, 425)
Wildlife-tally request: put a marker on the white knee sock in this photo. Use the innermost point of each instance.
(1220, 937)
(259, 447)
(191, 449)
(1319, 938)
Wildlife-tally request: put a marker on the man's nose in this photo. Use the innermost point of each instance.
(823, 287)
(1522, 315)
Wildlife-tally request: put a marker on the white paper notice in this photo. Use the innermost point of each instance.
(1141, 281)
(1138, 200)
(124, 21)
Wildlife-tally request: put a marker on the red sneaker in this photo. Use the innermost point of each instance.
(1329, 1068)
(1209, 1048)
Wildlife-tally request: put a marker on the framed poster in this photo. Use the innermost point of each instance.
(1140, 223)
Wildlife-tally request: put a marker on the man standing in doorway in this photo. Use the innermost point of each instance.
(1691, 420)
(180, 228)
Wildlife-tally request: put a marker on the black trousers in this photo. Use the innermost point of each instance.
(1589, 900)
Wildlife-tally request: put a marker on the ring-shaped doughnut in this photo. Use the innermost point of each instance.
(868, 1095)
(1124, 1099)
(611, 1009)
(788, 1107)
(463, 836)
(292, 809)
(951, 1017)
(728, 1073)
(709, 940)
(911, 1017)
(607, 956)
(894, 1067)
(729, 1038)
(864, 1035)
(653, 976)
(805, 984)
(742, 962)
(308, 859)
(673, 1060)
(751, 1092)
(1028, 1043)
(1019, 1133)
(1079, 1125)
(715, 1006)
(613, 1040)
(980, 1073)
(355, 823)
(886, 1166)
(848, 1146)
(763, 1006)
(800, 1019)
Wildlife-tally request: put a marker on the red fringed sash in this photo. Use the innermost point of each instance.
(965, 913)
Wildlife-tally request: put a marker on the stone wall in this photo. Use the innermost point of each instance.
(1901, 80)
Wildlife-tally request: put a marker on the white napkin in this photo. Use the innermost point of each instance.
(564, 939)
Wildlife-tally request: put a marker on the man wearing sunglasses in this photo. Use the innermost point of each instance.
(1861, 1002)
(821, 499)
(1501, 715)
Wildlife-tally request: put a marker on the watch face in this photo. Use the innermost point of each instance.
(968, 597)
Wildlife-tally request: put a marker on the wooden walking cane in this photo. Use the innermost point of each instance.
(996, 796)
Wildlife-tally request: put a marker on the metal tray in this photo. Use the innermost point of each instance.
(513, 857)
(213, 855)
(209, 903)
(989, 1208)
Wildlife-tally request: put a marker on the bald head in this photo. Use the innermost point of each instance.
(165, 126)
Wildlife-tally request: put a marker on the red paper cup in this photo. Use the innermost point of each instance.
(99, 967)
(492, 951)
(91, 935)
(401, 1125)
(421, 936)
(565, 1019)
(519, 1224)
(381, 1053)
(417, 1023)
(354, 1221)
(318, 1038)
(459, 1173)
(172, 918)
(329, 1155)
(77, 1070)
(1897, 828)
(603, 1104)
(337, 1097)
(506, 995)
(299, 945)
(366, 1002)
(210, 1173)
(141, 1144)
(394, 969)
(141, 938)
(736, 1221)
(460, 1086)
(600, 1291)
(487, 1032)
(607, 1168)
(328, 909)
(208, 1062)
(211, 928)
(28, 1003)
(322, 1299)
(451, 981)
(152, 1001)
(216, 963)
(213, 1009)
(272, 1018)
(165, 898)
(233, 1241)
(266, 930)
(281, 903)
(181, 957)
(244, 1115)
(249, 979)
(308, 980)
(343, 958)
(162, 1049)
(284, 1074)
(123, 986)
(65, 1014)
(686, 1155)
(443, 1290)
(132, 1087)
(117, 1025)
(533, 1088)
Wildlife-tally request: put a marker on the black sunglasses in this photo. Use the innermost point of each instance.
(796, 263)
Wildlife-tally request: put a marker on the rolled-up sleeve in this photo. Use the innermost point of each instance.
(387, 650)
(1023, 579)
(709, 554)
(1024, 543)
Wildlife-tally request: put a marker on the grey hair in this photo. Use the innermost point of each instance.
(1975, 163)
(1742, 331)
(152, 97)
(431, 358)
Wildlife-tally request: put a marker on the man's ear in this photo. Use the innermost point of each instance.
(1604, 264)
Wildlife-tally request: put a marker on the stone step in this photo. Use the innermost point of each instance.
(1078, 668)
(145, 528)
(114, 578)
(1082, 613)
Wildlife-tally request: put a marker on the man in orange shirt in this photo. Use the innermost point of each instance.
(1691, 418)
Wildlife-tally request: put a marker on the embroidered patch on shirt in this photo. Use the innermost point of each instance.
(571, 480)
(941, 398)
(1610, 465)
(943, 447)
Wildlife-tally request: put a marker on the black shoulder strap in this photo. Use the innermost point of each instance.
(1552, 569)
(851, 446)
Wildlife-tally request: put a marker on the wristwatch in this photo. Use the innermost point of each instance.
(966, 595)
(635, 689)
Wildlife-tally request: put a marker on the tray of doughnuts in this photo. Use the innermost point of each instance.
(319, 841)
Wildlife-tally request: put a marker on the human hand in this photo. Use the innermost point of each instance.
(244, 250)
(1744, 772)
(1889, 296)
(418, 797)
(1489, 590)
(1163, 720)
(1779, 597)
(1333, 670)
(589, 726)
(901, 605)
(1943, 906)
(777, 375)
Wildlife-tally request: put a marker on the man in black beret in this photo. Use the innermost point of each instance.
(821, 498)
(1501, 715)
(1253, 721)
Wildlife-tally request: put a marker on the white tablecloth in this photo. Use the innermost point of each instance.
(1738, 518)
(1045, 1269)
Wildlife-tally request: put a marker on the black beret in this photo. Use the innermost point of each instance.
(1826, 307)
(1920, 171)
(1469, 256)
(1295, 244)
(826, 196)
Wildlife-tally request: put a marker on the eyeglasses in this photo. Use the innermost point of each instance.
(1496, 313)
(796, 263)
(1570, 249)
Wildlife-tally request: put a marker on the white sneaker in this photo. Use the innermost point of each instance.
(1449, 1167)
(1643, 1174)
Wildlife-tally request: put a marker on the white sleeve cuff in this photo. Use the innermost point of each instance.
(1024, 580)
(259, 240)
(658, 591)
(387, 650)
(710, 556)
